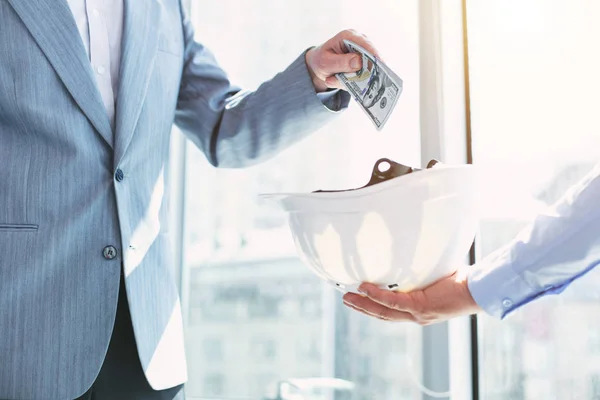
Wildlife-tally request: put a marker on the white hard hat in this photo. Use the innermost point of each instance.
(404, 230)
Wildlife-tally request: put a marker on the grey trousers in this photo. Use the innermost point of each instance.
(121, 376)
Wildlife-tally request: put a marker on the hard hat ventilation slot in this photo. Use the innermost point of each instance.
(384, 170)
(383, 166)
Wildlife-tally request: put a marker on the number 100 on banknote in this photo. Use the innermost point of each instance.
(375, 87)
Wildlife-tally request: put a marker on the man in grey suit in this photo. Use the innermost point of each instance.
(89, 90)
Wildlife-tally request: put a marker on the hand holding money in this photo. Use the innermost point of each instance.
(375, 87)
(333, 57)
(350, 62)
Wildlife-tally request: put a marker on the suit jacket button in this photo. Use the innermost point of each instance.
(119, 175)
(109, 252)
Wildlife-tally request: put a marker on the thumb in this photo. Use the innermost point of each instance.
(336, 63)
(354, 62)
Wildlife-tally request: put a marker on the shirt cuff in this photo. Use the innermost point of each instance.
(497, 288)
(335, 100)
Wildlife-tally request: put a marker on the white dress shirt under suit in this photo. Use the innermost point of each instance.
(100, 24)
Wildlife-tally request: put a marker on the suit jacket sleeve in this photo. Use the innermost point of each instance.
(237, 128)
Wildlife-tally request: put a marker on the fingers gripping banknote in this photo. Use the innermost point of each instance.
(375, 87)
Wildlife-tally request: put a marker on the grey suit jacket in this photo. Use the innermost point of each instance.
(70, 185)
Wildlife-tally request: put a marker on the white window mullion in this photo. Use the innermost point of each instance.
(447, 347)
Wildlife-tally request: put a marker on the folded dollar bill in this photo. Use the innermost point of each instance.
(375, 87)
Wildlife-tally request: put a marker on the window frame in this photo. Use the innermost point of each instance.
(446, 135)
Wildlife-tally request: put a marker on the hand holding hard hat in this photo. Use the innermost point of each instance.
(404, 234)
(445, 299)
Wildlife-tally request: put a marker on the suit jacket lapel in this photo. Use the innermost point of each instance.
(53, 27)
(140, 43)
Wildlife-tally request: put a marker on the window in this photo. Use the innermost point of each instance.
(595, 387)
(310, 307)
(241, 274)
(213, 349)
(308, 350)
(263, 349)
(534, 103)
(248, 300)
(593, 340)
(213, 384)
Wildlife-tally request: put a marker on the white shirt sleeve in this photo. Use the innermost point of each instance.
(559, 246)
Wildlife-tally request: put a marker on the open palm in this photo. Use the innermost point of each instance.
(443, 300)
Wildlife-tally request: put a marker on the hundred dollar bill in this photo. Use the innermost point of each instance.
(375, 87)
